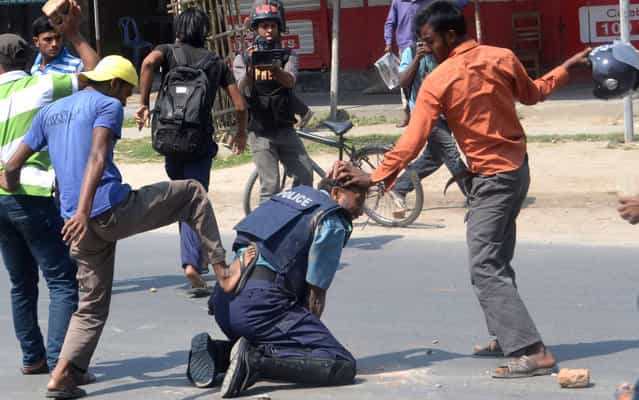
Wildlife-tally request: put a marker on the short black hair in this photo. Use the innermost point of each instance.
(442, 16)
(41, 25)
(192, 27)
(327, 184)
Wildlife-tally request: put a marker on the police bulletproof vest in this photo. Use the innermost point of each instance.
(269, 103)
(283, 229)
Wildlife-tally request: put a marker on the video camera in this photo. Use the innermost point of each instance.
(266, 55)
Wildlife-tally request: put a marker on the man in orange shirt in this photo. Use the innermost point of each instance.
(476, 87)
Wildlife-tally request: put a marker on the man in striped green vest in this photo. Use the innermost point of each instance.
(30, 224)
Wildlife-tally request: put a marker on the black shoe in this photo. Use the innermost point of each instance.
(242, 372)
(207, 358)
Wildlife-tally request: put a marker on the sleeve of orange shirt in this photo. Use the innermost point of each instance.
(529, 91)
(410, 144)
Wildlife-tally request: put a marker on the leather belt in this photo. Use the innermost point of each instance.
(263, 274)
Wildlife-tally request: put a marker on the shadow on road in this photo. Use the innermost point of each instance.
(577, 351)
(372, 243)
(146, 371)
(403, 360)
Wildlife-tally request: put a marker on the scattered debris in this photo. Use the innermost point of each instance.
(439, 386)
(263, 397)
(435, 341)
(153, 290)
(573, 378)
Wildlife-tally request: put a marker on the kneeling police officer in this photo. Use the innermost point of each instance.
(290, 249)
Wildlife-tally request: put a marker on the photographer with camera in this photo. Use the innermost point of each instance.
(266, 75)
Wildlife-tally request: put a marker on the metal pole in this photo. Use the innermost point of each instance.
(478, 22)
(624, 8)
(335, 59)
(96, 16)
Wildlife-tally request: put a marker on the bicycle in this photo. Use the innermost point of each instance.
(379, 206)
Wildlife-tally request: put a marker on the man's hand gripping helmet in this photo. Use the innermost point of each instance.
(615, 70)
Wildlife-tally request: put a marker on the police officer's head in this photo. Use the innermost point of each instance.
(441, 26)
(192, 27)
(267, 19)
(615, 70)
(350, 198)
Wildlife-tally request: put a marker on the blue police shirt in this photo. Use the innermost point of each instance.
(64, 63)
(426, 66)
(66, 127)
(325, 251)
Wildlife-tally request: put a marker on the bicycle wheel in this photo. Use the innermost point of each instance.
(380, 206)
(251, 197)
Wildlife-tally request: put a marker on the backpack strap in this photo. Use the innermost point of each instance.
(178, 55)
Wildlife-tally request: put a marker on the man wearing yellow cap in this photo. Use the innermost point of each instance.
(99, 209)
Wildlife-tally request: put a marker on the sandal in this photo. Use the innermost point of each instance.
(522, 367)
(492, 349)
(38, 368)
(64, 394)
(245, 270)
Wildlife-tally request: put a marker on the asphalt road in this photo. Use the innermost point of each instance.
(394, 300)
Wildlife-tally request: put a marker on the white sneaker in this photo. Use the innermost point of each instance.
(399, 200)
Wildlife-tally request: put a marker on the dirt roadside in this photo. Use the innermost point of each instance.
(572, 197)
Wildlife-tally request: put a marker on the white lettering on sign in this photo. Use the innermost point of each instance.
(298, 198)
(600, 24)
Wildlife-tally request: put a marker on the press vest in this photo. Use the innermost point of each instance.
(269, 102)
(283, 229)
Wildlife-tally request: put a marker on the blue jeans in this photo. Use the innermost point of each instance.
(30, 237)
(440, 150)
(200, 170)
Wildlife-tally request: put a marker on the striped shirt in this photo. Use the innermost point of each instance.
(64, 63)
(21, 97)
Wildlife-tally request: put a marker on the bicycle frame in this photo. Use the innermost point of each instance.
(339, 144)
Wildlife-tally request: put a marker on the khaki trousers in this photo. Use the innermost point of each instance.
(146, 209)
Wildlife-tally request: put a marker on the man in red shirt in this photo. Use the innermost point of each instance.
(476, 87)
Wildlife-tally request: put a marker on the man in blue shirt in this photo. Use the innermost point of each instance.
(273, 316)
(416, 64)
(99, 209)
(52, 55)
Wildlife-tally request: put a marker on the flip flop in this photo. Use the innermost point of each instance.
(64, 394)
(245, 270)
(523, 367)
(201, 365)
(43, 368)
(198, 292)
(488, 350)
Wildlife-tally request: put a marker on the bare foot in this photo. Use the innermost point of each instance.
(194, 277)
(229, 276)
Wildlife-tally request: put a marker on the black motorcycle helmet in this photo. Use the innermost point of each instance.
(615, 70)
(268, 9)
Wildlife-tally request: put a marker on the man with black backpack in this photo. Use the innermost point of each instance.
(268, 88)
(182, 124)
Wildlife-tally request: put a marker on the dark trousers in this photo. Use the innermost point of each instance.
(440, 150)
(297, 105)
(269, 148)
(493, 207)
(200, 170)
(270, 317)
(30, 237)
